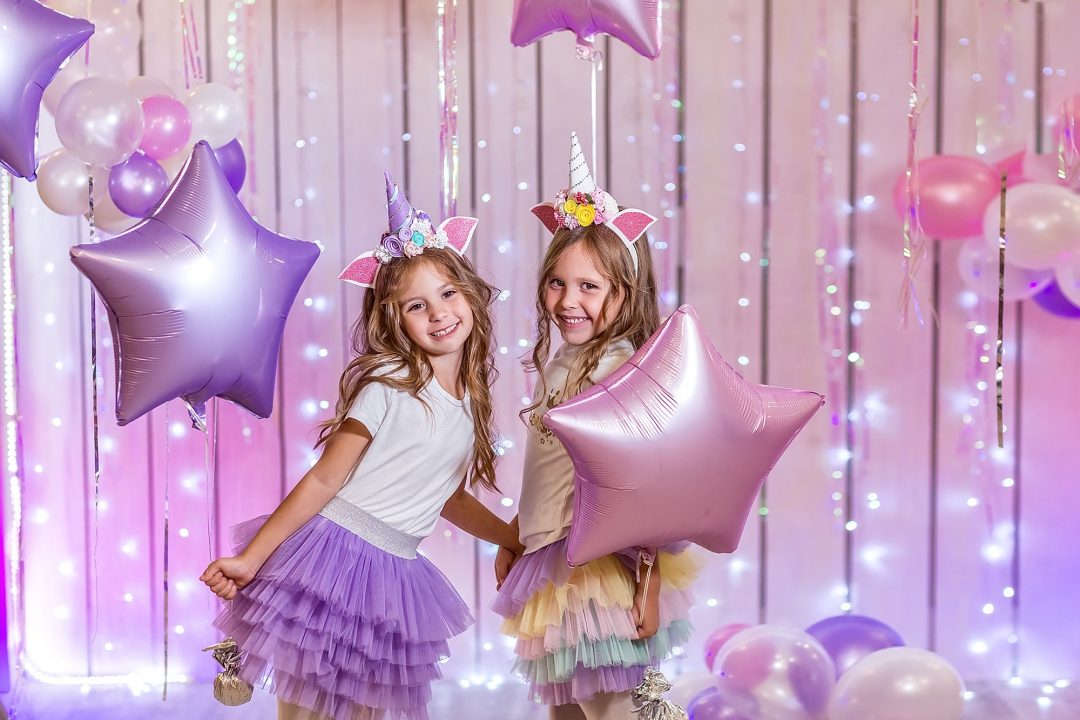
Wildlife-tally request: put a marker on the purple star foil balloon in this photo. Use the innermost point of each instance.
(635, 22)
(197, 295)
(34, 42)
(672, 446)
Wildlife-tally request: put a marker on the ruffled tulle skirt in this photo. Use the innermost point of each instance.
(335, 624)
(575, 630)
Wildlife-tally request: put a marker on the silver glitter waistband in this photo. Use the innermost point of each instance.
(371, 529)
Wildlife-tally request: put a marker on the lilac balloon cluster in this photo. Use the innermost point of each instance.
(848, 667)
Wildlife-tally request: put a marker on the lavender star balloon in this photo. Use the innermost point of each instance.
(197, 295)
(34, 42)
(635, 22)
(672, 446)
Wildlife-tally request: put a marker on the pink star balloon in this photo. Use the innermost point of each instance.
(635, 22)
(672, 446)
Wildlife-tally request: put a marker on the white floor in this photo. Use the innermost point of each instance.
(195, 702)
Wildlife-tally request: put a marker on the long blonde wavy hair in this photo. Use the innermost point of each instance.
(385, 354)
(637, 320)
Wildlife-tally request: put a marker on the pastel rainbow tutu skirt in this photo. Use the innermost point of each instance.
(345, 616)
(575, 631)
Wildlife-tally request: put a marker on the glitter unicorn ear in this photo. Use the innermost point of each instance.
(410, 232)
(584, 203)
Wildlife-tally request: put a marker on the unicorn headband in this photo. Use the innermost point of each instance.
(583, 203)
(411, 232)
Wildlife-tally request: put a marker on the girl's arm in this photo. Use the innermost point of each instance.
(469, 514)
(321, 483)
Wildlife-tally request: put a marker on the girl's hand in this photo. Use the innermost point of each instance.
(226, 575)
(503, 562)
(647, 605)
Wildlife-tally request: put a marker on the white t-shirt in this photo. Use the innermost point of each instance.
(417, 457)
(547, 484)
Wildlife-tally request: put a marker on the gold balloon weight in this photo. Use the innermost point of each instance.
(229, 688)
(650, 701)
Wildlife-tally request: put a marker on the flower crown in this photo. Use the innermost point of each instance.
(411, 240)
(583, 204)
(411, 232)
(581, 209)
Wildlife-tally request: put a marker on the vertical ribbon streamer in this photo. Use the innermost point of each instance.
(914, 240)
(827, 255)
(999, 370)
(448, 107)
(165, 567)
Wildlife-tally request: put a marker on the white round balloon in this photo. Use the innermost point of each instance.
(1042, 225)
(63, 183)
(977, 264)
(1067, 274)
(217, 114)
(899, 684)
(145, 86)
(100, 121)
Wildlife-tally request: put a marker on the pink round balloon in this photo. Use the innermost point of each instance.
(716, 641)
(672, 446)
(168, 126)
(953, 192)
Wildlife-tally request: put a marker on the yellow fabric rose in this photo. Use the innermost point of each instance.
(585, 214)
(570, 207)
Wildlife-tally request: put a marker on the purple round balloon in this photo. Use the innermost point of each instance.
(197, 296)
(725, 701)
(1052, 300)
(34, 42)
(850, 638)
(137, 185)
(233, 162)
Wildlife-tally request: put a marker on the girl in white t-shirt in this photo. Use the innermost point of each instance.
(331, 605)
(585, 635)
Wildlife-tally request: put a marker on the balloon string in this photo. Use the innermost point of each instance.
(165, 573)
(999, 371)
(86, 52)
(210, 514)
(586, 51)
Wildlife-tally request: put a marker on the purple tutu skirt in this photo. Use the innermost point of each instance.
(337, 623)
(575, 630)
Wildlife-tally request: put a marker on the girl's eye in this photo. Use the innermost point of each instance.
(590, 286)
(555, 282)
(449, 293)
(415, 306)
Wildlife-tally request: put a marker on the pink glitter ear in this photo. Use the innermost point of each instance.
(546, 213)
(629, 224)
(361, 271)
(459, 232)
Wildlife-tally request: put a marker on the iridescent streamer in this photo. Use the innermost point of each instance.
(830, 323)
(448, 101)
(999, 371)
(1068, 152)
(914, 239)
